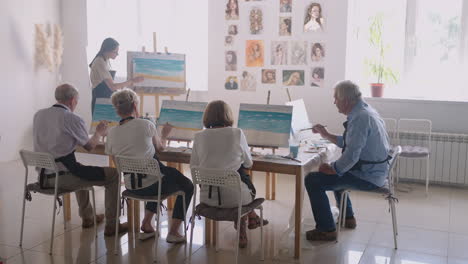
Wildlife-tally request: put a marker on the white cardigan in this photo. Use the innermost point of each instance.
(222, 148)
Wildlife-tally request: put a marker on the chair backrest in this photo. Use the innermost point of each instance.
(38, 159)
(392, 130)
(396, 151)
(216, 177)
(415, 132)
(127, 164)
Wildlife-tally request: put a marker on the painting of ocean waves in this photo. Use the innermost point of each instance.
(265, 121)
(105, 112)
(181, 118)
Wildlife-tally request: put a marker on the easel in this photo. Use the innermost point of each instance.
(270, 178)
(133, 205)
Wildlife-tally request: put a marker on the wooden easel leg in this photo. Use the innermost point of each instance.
(67, 206)
(267, 186)
(142, 100)
(273, 186)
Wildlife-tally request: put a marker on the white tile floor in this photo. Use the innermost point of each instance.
(433, 229)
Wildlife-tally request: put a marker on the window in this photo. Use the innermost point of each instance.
(132, 24)
(423, 42)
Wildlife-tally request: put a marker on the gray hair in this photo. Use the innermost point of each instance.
(65, 92)
(123, 101)
(347, 90)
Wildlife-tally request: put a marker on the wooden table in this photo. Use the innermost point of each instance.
(308, 162)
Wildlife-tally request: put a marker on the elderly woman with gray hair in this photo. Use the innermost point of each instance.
(139, 138)
(363, 164)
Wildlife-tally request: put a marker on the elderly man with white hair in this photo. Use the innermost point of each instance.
(57, 130)
(363, 164)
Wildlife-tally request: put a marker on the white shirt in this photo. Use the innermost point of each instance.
(135, 139)
(99, 71)
(58, 131)
(222, 148)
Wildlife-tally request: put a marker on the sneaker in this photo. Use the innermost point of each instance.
(144, 236)
(175, 239)
(315, 235)
(87, 223)
(109, 230)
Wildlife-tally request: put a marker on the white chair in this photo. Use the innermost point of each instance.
(147, 167)
(392, 130)
(414, 136)
(388, 190)
(46, 161)
(227, 179)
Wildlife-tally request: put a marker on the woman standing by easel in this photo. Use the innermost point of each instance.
(102, 77)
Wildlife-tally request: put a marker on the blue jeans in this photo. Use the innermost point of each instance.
(318, 183)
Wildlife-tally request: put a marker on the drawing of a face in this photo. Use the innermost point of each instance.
(315, 12)
(318, 52)
(269, 76)
(295, 78)
(232, 5)
(229, 57)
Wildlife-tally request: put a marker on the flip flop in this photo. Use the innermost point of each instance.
(254, 222)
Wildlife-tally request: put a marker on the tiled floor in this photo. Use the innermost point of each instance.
(432, 229)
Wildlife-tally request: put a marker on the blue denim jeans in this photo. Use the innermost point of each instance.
(318, 183)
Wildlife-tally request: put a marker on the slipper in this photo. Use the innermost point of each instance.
(254, 222)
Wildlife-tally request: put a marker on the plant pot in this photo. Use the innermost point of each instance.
(377, 89)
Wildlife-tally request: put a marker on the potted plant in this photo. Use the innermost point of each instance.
(376, 65)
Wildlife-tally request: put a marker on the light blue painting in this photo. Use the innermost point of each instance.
(265, 125)
(104, 110)
(185, 117)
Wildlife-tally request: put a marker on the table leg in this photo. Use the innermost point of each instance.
(67, 206)
(130, 214)
(267, 186)
(298, 216)
(136, 216)
(273, 186)
(207, 231)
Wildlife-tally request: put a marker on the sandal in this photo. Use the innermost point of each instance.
(254, 222)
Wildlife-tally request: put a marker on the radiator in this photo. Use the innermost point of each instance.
(448, 160)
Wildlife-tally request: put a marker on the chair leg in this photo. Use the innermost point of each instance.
(64, 215)
(262, 252)
(394, 222)
(117, 220)
(22, 218)
(94, 209)
(238, 237)
(344, 203)
(340, 215)
(427, 175)
(185, 216)
(192, 223)
(216, 224)
(53, 225)
(158, 230)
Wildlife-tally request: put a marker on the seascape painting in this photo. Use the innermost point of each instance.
(266, 125)
(185, 117)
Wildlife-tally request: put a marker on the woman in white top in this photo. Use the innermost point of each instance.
(221, 146)
(102, 78)
(139, 138)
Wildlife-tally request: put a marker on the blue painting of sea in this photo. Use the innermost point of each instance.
(105, 112)
(158, 67)
(181, 118)
(265, 121)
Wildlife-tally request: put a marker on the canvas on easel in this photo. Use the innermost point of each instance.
(185, 117)
(104, 111)
(265, 125)
(300, 120)
(164, 73)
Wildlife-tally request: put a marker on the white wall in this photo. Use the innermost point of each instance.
(24, 89)
(319, 101)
